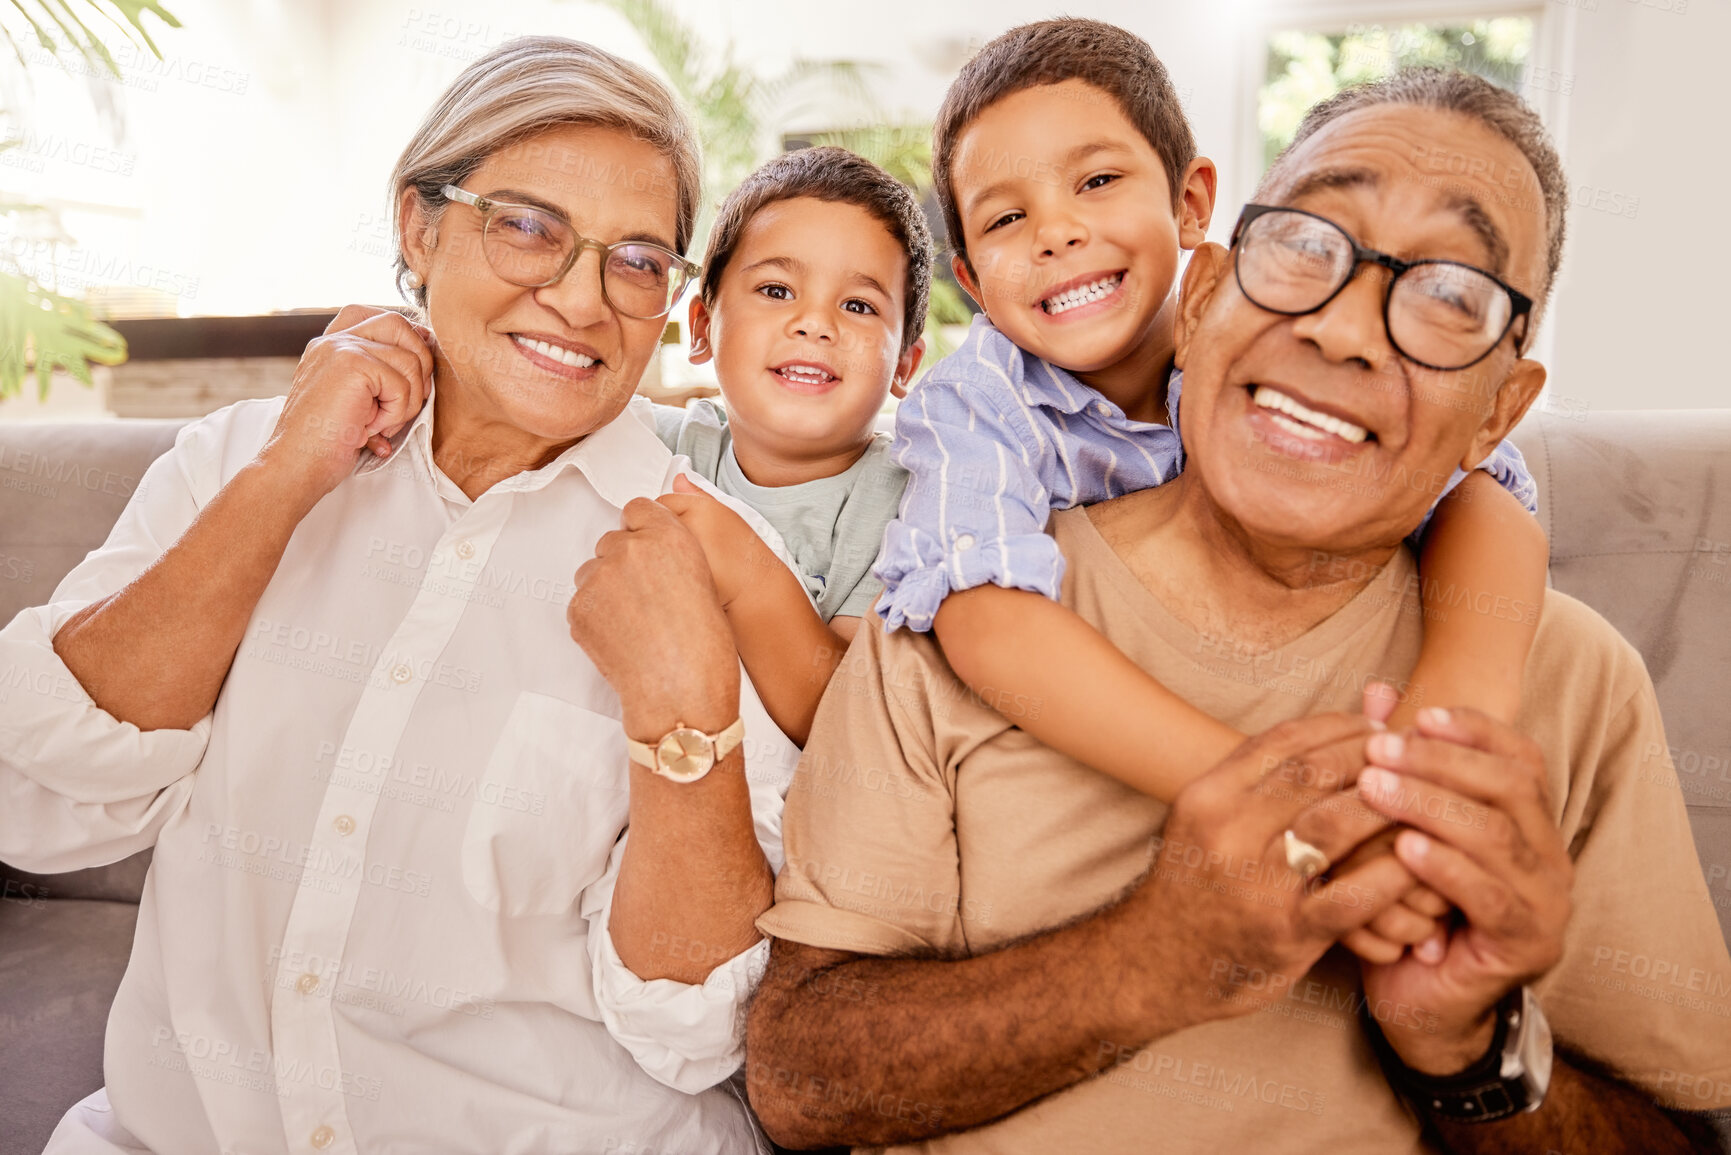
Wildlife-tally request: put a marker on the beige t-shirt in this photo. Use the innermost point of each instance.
(921, 820)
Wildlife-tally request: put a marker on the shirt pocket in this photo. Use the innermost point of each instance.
(548, 810)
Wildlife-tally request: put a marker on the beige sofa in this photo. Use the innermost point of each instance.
(1637, 505)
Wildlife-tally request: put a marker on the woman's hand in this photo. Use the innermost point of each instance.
(183, 618)
(732, 547)
(355, 388)
(645, 611)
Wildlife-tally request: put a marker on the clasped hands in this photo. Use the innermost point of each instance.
(1471, 902)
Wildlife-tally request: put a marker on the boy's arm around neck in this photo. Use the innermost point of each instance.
(1482, 577)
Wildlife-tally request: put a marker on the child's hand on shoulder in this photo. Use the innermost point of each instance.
(731, 546)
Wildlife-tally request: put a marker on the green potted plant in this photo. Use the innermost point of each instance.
(41, 330)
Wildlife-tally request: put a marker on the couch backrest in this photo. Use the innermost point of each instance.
(1638, 508)
(1637, 505)
(61, 489)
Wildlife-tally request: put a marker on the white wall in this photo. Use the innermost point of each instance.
(256, 156)
(1644, 303)
(1634, 94)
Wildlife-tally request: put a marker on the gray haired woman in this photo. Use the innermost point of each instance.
(384, 671)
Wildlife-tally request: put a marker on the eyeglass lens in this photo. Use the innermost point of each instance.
(529, 248)
(1440, 314)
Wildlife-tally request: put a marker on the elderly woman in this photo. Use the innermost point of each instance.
(380, 675)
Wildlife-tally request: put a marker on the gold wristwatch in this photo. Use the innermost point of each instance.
(686, 754)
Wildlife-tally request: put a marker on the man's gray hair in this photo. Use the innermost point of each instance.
(1450, 89)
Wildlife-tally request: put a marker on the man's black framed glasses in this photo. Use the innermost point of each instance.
(1439, 314)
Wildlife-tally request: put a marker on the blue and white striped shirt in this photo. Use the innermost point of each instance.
(994, 439)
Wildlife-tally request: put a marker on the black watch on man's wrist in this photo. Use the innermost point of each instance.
(1511, 1079)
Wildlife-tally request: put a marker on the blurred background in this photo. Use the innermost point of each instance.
(189, 188)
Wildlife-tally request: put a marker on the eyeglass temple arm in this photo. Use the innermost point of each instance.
(463, 195)
(691, 268)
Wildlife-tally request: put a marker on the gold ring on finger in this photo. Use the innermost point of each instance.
(1305, 860)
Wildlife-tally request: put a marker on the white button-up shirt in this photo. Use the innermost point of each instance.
(377, 915)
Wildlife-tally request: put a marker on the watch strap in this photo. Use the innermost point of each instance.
(642, 753)
(1495, 1087)
(728, 740)
(725, 742)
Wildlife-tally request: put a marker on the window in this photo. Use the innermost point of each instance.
(1304, 67)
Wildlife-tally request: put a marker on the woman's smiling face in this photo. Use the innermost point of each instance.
(555, 362)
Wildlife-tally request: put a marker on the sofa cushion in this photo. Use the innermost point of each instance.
(63, 486)
(1638, 508)
(60, 964)
(121, 881)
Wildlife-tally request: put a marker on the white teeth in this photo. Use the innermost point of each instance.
(557, 352)
(1308, 432)
(1081, 295)
(1304, 421)
(806, 374)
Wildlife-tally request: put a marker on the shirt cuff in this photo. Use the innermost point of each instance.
(1507, 468)
(53, 733)
(912, 595)
(832, 928)
(684, 1036)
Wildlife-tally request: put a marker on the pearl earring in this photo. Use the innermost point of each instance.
(412, 279)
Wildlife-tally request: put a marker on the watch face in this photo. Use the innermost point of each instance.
(685, 754)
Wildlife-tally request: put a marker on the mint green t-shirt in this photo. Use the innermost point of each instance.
(833, 526)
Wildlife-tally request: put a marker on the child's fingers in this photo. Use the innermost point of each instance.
(1426, 901)
(1431, 950)
(1421, 899)
(1372, 947)
(682, 483)
(1402, 924)
(679, 503)
(1380, 699)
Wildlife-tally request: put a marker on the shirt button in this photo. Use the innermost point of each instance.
(344, 824)
(465, 550)
(401, 672)
(1102, 409)
(322, 1138)
(965, 541)
(307, 983)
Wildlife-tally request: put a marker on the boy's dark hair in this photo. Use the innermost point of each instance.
(829, 174)
(1452, 90)
(1117, 62)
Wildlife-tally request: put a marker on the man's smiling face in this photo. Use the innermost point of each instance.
(1313, 431)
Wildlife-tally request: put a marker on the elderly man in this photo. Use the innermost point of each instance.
(977, 950)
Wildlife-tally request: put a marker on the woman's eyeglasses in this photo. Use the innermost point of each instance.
(532, 248)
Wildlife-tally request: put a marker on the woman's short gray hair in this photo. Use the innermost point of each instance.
(525, 87)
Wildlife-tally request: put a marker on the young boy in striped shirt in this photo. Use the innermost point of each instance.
(1070, 182)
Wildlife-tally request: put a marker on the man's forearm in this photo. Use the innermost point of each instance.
(869, 1051)
(693, 880)
(1583, 1113)
(181, 620)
